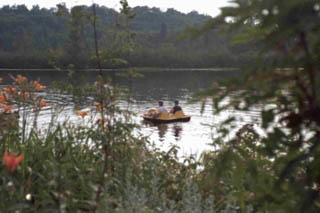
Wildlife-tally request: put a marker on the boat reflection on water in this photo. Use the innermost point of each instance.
(162, 129)
(177, 129)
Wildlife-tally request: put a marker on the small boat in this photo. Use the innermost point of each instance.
(165, 117)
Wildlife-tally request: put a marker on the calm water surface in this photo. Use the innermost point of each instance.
(192, 137)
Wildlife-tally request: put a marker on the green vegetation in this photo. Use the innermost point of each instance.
(94, 164)
(62, 36)
(278, 171)
(97, 164)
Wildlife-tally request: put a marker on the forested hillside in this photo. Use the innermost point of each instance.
(45, 38)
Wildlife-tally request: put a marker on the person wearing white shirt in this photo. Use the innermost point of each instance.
(160, 109)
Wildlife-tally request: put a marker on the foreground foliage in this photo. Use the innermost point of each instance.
(278, 170)
(92, 163)
(98, 164)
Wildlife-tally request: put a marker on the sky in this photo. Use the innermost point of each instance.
(208, 7)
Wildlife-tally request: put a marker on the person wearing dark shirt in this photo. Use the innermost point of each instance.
(176, 107)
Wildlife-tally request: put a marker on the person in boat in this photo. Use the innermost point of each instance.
(176, 107)
(160, 109)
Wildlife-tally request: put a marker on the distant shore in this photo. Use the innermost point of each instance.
(141, 69)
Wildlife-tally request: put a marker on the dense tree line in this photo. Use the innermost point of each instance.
(47, 38)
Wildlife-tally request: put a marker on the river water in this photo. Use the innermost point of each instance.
(192, 137)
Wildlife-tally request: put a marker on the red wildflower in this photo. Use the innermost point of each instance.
(101, 122)
(9, 89)
(82, 114)
(26, 95)
(12, 161)
(20, 79)
(98, 105)
(6, 108)
(43, 103)
(38, 86)
(3, 98)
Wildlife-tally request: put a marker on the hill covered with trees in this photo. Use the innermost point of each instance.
(45, 38)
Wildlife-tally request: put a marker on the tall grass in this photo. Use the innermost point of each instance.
(95, 165)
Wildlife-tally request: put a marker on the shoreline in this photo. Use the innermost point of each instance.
(140, 69)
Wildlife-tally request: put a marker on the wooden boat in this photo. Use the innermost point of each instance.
(165, 117)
